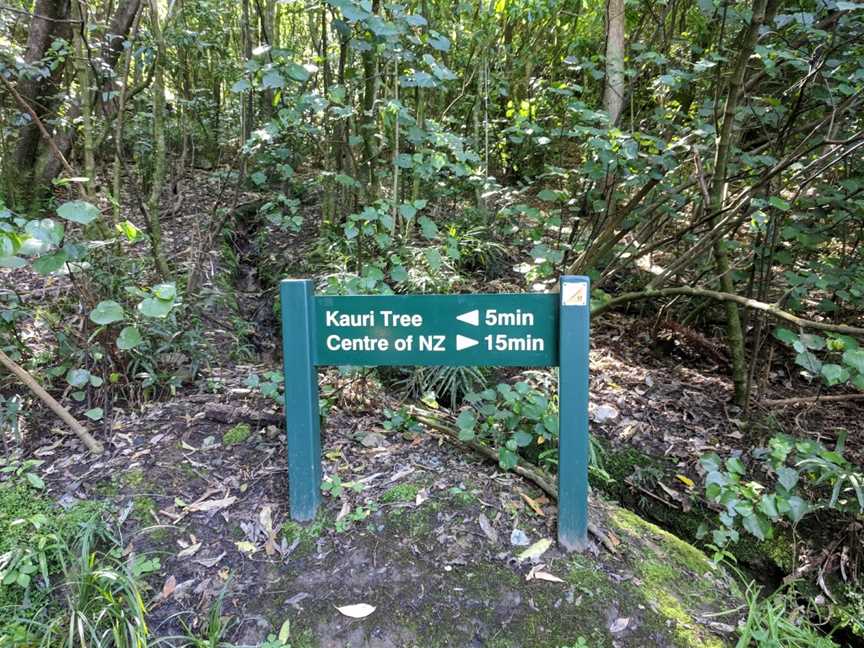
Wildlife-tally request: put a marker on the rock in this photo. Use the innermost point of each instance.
(604, 413)
(374, 440)
(519, 539)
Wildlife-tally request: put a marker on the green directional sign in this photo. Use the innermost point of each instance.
(527, 330)
(466, 330)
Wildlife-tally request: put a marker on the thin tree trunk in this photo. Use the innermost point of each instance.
(157, 181)
(613, 89)
(82, 72)
(717, 196)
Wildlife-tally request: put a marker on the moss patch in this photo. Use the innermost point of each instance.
(401, 493)
(236, 435)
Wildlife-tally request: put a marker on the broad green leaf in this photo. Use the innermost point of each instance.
(398, 274)
(78, 211)
(77, 377)
(45, 230)
(34, 480)
(522, 438)
(433, 258)
(165, 291)
(240, 86)
(797, 508)
(272, 79)
(834, 374)
(94, 414)
(854, 358)
(428, 227)
(49, 263)
(152, 307)
(107, 312)
(129, 230)
(129, 338)
(12, 262)
(785, 335)
(787, 477)
(755, 524)
(300, 73)
(466, 420)
(734, 465)
(809, 361)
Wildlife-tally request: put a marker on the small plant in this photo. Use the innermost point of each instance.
(23, 469)
(798, 469)
(357, 515)
(214, 628)
(777, 620)
(400, 421)
(511, 418)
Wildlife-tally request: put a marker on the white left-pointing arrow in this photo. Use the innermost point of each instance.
(471, 317)
(463, 342)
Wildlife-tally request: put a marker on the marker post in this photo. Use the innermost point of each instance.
(505, 330)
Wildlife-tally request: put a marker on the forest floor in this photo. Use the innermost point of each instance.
(425, 533)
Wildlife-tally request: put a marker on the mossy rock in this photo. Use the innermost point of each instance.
(655, 590)
(236, 435)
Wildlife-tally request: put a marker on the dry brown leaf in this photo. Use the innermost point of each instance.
(487, 528)
(537, 573)
(191, 550)
(212, 505)
(210, 562)
(169, 586)
(533, 504)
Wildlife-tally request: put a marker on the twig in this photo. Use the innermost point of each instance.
(92, 444)
(800, 400)
(771, 309)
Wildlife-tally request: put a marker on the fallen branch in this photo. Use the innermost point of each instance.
(545, 482)
(92, 444)
(232, 414)
(771, 309)
(800, 400)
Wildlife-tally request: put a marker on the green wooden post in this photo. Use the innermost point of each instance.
(573, 344)
(301, 398)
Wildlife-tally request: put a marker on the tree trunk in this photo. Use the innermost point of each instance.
(717, 195)
(37, 92)
(82, 72)
(613, 89)
(154, 227)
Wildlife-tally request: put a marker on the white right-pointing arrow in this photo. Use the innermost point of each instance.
(471, 317)
(463, 342)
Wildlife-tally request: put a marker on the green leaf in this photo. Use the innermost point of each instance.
(734, 465)
(152, 307)
(855, 359)
(466, 420)
(755, 524)
(398, 274)
(834, 374)
(300, 73)
(78, 211)
(428, 227)
(433, 258)
(23, 579)
(522, 438)
(34, 480)
(768, 506)
(165, 291)
(785, 335)
(787, 477)
(815, 342)
(12, 262)
(548, 195)
(49, 263)
(797, 508)
(240, 86)
(129, 338)
(77, 377)
(809, 361)
(94, 414)
(778, 203)
(272, 79)
(107, 312)
(129, 230)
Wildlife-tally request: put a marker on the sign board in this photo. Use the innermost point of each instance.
(516, 330)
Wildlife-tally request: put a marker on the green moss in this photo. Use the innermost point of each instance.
(133, 478)
(142, 507)
(401, 493)
(462, 497)
(307, 533)
(236, 435)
